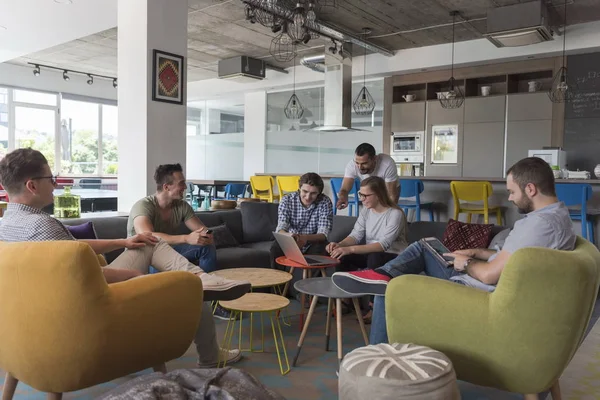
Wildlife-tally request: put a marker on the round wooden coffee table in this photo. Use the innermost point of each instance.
(262, 303)
(258, 277)
(306, 273)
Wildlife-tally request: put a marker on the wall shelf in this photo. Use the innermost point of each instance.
(434, 87)
(497, 85)
(418, 90)
(519, 83)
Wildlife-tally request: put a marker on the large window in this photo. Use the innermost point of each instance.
(77, 135)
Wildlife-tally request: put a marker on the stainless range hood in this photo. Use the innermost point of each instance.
(338, 90)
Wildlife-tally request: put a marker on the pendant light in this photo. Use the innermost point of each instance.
(563, 89)
(364, 103)
(294, 109)
(454, 97)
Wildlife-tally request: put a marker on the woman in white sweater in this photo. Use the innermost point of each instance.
(379, 233)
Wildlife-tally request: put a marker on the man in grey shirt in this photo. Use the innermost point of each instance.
(530, 186)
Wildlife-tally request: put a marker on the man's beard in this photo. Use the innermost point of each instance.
(525, 207)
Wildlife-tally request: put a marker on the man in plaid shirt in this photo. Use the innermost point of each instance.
(307, 214)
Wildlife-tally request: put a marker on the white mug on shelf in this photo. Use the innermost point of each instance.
(485, 90)
(534, 86)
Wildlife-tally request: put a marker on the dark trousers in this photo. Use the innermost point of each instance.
(316, 248)
(355, 262)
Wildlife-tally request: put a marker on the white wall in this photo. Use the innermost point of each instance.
(52, 81)
(255, 120)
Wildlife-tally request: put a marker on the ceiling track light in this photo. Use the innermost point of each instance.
(37, 69)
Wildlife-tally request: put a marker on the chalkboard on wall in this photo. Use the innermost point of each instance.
(582, 115)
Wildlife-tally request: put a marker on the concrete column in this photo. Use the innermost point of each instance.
(150, 132)
(255, 130)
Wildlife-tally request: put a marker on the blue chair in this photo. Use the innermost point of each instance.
(578, 194)
(235, 190)
(413, 188)
(336, 186)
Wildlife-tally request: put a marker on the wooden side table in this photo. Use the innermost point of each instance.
(258, 277)
(263, 303)
(306, 273)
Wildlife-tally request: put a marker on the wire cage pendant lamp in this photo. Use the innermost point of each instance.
(454, 97)
(364, 104)
(294, 108)
(563, 89)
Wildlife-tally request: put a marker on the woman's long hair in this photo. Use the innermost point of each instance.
(377, 186)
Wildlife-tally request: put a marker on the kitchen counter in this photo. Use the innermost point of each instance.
(451, 178)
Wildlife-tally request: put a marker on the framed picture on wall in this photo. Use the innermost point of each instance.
(444, 146)
(167, 77)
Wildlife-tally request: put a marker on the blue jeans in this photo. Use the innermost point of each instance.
(413, 260)
(203, 256)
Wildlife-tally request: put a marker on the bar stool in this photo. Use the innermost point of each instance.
(263, 188)
(577, 195)
(287, 184)
(413, 188)
(474, 191)
(336, 186)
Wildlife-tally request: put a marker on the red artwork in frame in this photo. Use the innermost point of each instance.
(167, 77)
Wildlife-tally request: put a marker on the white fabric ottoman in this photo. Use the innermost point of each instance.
(397, 371)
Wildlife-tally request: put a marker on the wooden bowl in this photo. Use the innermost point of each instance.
(252, 199)
(223, 204)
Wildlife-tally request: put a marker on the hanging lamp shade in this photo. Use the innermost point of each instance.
(294, 108)
(563, 89)
(454, 96)
(283, 48)
(364, 103)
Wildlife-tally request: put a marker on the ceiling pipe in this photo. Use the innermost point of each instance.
(316, 63)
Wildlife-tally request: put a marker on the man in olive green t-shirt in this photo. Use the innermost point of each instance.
(162, 214)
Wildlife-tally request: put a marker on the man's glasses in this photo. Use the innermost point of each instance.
(51, 177)
(363, 196)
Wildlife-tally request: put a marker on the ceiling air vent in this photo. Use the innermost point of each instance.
(519, 25)
(242, 69)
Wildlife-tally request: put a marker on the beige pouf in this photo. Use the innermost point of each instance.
(397, 371)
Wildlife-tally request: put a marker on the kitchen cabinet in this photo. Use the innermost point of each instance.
(408, 117)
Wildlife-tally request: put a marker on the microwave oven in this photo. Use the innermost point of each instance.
(406, 142)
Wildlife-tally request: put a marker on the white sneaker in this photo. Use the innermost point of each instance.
(217, 288)
(232, 356)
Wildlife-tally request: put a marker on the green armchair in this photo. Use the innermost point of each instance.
(519, 338)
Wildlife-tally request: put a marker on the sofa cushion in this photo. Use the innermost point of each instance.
(498, 240)
(259, 220)
(342, 226)
(106, 228)
(83, 231)
(240, 257)
(222, 237)
(460, 235)
(421, 229)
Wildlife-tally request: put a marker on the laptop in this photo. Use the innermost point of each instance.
(292, 251)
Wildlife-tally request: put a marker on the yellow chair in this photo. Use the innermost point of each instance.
(287, 184)
(63, 328)
(474, 191)
(263, 188)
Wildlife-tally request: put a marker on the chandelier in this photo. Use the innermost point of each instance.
(294, 108)
(454, 97)
(298, 17)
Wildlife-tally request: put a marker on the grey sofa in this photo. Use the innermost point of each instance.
(252, 226)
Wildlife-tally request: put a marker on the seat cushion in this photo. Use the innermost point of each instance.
(84, 231)
(240, 257)
(397, 371)
(460, 236)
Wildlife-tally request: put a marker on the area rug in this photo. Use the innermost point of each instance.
(581, 379)
(315, 375)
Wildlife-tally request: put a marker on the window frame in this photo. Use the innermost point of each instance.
(12, 105)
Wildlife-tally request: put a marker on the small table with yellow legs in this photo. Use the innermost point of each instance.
(263, 303)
